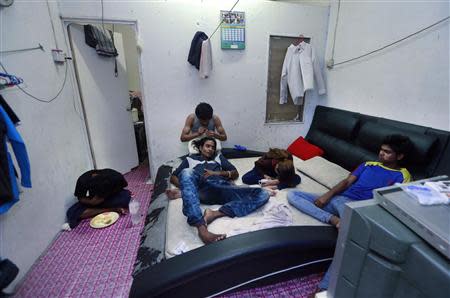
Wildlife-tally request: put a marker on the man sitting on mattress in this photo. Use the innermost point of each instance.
(202, 124)
(206, 178)
(359, 185)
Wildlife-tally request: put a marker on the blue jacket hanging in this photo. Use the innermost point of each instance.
(20, 152)
(195, 50)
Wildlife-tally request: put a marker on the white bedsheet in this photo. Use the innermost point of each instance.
(180, 237)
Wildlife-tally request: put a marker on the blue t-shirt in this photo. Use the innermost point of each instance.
(199, 164)
(372, 175)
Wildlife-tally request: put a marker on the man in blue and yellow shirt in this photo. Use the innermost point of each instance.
(359, 184)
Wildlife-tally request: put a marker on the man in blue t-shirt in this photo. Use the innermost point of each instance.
(359, 185)
(206, 178)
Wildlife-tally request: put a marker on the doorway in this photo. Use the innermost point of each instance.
(110, 93)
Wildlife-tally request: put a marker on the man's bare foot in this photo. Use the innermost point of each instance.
(173, 194)
(211, 215)
(208, 237)
(335, 221)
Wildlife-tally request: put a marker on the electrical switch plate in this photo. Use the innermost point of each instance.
(330, 63)
(58, 56)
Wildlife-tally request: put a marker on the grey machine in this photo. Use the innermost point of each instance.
(391, 246)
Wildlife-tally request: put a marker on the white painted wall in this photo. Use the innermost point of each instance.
(53, 133)
(131, 55)
(408, 82)
(237, 86)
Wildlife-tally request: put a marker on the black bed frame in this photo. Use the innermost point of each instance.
(262, 257)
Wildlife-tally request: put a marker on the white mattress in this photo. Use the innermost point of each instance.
(180, 237)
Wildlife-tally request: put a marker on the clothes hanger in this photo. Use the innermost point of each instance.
(299, 40)
(11, 80)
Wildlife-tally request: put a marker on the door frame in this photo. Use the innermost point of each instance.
(66, 22)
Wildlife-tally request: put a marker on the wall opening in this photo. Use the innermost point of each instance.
(275, 112)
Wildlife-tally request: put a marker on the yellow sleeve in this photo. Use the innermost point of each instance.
(406, 175)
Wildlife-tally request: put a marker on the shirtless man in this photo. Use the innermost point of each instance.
(203, 123)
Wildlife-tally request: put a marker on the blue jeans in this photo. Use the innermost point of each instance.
(236, 200)
(304, 201)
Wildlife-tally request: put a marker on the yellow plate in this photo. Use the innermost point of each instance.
(104, 220)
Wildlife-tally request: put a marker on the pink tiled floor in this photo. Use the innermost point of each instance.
(299, 287)
(88, 262)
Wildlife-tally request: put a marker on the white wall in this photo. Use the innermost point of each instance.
(237, 86)
(408, 82)
(53, 133)
(131, 55)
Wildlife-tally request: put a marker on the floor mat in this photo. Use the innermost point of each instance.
(88, 262)
(297, 287)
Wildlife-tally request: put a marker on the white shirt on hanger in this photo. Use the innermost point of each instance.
(300, 67)
(205, 59)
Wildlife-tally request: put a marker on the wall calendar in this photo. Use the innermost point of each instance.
(232, 30)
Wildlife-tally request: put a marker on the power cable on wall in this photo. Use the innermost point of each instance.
(222, 19)
(335, 30)
(331, 65)
(35, 97)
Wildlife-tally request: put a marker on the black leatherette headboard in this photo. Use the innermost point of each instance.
(350, 138)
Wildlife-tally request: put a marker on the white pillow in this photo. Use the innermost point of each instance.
(193, 150)
(323, 171)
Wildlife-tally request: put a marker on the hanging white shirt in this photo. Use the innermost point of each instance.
(205, 59)
(300, 67)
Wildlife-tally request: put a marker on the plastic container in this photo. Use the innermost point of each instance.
(134, 212)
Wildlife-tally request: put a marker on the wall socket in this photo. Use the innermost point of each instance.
(58, 56)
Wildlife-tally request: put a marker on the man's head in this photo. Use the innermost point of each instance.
(285, 171)
(204, 113)
(206, 146)
(394, 149)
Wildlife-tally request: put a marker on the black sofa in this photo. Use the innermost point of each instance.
(349, 138)
(261, 257)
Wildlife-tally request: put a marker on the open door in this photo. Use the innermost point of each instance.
(105, 103)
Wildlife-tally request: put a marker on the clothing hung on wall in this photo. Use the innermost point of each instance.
(8, 110)
(9, 133)
(200, 54)
(205, 59)
(300, 68)
(5, 181)
(100, 39)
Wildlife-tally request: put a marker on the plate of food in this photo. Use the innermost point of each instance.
(104, 220)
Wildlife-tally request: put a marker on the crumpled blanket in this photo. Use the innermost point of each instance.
(274, 215)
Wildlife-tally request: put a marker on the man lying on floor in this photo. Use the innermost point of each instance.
(99, 191)
(206, 178)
